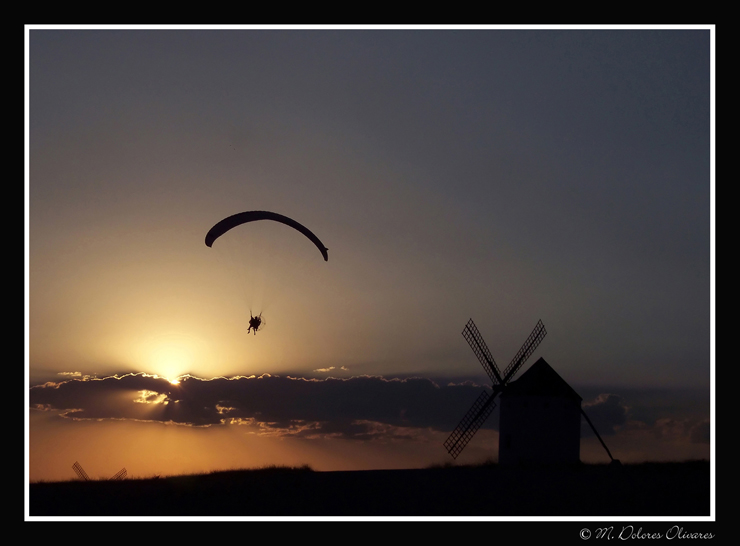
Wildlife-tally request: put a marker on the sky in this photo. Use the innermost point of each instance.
(501, 174)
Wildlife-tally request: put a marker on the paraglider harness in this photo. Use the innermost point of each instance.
(255, 323)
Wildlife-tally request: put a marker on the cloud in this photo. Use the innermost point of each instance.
(607, 412)
(682, 430)
(330, 368)
(700, 433)
(610, 414)
(361, 407)
(367, 408)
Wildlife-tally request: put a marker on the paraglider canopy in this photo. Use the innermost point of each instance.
(250, 216)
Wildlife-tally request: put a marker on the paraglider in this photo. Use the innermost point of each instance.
(257, 322)
(250, 216)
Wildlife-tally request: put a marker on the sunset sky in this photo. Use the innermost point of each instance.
(504, 175)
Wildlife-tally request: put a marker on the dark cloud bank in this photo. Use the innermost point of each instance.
(363, 407)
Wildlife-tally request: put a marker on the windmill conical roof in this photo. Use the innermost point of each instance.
(540, 380)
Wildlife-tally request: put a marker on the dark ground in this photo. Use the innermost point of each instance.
(648, 489)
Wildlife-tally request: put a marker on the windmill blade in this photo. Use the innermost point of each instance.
(527, 349)
(120, 475)
(477, 414)
(80, 472)
(475, 340)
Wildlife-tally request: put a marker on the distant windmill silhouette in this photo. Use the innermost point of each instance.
(485, 403)
(77, 467)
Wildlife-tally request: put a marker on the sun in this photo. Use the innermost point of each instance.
(168, 355)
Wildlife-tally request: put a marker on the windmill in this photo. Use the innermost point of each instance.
(77, 467)
(485, 403)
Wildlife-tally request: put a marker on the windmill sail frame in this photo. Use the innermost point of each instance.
(471, 422)
(485, 403)
(77, 467)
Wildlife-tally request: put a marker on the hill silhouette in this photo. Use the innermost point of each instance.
(647, 489)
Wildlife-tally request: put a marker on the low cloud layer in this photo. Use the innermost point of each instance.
(610, 414)
(355, 408)
(362, 408)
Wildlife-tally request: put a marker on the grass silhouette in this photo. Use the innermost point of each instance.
(487, 489)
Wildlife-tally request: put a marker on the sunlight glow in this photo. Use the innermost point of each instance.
(151, 397)
(169, 355)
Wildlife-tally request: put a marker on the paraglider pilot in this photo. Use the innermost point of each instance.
(254, 323)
